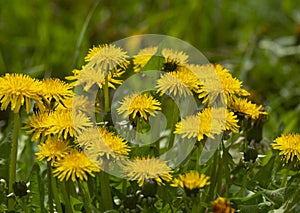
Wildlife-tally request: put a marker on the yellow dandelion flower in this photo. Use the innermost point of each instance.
(80, 103)
(208, 122)
(56, 88)
(174, 57)
(64, 123)
(181, 82)
(198, 126)
(89, 77)
(244, 106)
(220, 205)
(144, 168)
(107, 58)
(229, 86)
(139, 104)
(99, 142)
(74, 165)
(191, 180)
(142, 58)
(53, 149)
(17, 90)
(289, 146)
(37, 125)
(231, 122)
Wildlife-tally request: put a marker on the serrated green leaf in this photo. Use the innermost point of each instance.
(75, 204)
(36, 190)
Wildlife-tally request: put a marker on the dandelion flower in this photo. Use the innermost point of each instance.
(142, 58)
(74, 165)
(244, 106)
(139, 104)
(208, 122)
(89, 77)
(220, 205)
(55, 88)
(107, 58)
(191, 180)
(80, 103)
(181, 82)
(144, 168)
(229, 86)
(199, 125)
(289, 146)
(99, 143)
(17, 90)
(53, 149)
(173, 59)
(37, 125)
(65, 123)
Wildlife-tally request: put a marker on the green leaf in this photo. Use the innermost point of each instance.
(155, 62)
(276, 196)
(263, 176)
(36, 190)
(76, 204)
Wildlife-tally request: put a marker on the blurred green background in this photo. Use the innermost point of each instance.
(257, 40)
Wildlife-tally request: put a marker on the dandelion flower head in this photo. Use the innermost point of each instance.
(175, 57)
(52, 149)
(181, 82)
(17, 90)
(65, 123)
(221, 205)
(144, 168)
(191, 180)
(220, 84)
(288, 145)
(100, 143)
(139, 104)
(142, 58)
(245, 106)
(74, 165)
(107, 58)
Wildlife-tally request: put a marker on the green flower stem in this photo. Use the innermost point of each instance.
(105, 191)
(66, 197)
(24, 204)
(106, 96)
(173, 123)
(55, 194)
(50, 192)
(219, 174)
(213, 179)
(137, 138)
(13, 160)
(285, 177)
(86, 198)
(199, 149)
(124, 187)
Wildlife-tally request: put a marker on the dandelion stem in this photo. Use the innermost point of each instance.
(213, 168)
(219, 173)
(285, 177)
(124, 186)
(86, 198)
(66, 197)
(105, 191)
(13, 159)
(55, 193)
(137, 136)
(50, 192)
(106, 96)
(173, 123)
(198, 147)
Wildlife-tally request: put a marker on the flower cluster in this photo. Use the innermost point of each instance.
(76, 137)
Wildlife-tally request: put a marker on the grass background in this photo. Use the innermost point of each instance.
(257, 40)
